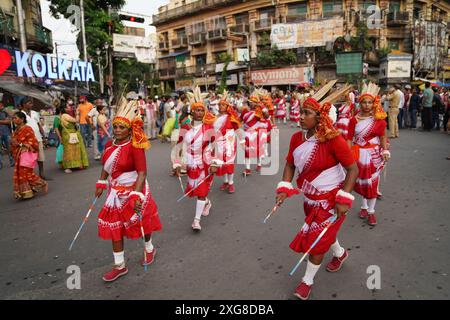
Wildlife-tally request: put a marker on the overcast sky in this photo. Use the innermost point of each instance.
(64, 34)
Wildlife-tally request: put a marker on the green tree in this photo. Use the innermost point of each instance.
(96, 21)
(226, 59)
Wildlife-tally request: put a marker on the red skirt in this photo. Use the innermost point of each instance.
(225, 169)
(115, 223)
(194, 179)
(315, 222)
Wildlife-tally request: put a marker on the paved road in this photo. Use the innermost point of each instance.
(235, 256)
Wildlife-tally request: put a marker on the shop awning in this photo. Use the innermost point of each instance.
(175, 54)
(22, 89)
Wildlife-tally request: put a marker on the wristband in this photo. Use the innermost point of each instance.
(102, 184)
(286, 187)
(135, 195)
(343, 197)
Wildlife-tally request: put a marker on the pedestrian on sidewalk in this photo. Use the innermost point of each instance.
(394, 103)
(92, 120)
(427, 104)
(326, 186)
(367, 136)
(74, 151)
(437, 109)
(103, 130)
(414, 107)
(33, 120)
(83, 119)
(5, 135)
(129, 206)
(24, 142)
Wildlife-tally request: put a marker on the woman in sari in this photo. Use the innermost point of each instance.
(75, 155)
(326, 175)
(26, 182)
(129, 210)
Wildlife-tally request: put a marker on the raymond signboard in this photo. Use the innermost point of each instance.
(281, 76)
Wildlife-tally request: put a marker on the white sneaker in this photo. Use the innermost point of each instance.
(206, 209)
(68, 171)
(196, 225)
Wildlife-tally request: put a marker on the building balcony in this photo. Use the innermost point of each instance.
(264, 24)
(188, 9)
(164, 46)
(397, 33)
(197, 38)
(165, 74)
(240, 28)
(180, 43)
(218, 34)
(397, 18)
(41, 40)
(296, 18)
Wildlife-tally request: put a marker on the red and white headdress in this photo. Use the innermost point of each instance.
(196, 98)
(128, 115)
(371, 91)
(325, 128)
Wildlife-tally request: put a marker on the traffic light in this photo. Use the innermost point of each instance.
(125, 17)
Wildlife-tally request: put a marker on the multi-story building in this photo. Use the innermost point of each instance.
(38, 37)
(192, 34)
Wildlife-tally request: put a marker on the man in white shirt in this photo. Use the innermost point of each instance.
(93, 116)
(400, 106)
(33, 121)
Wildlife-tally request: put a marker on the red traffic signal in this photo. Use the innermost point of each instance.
(125, 17)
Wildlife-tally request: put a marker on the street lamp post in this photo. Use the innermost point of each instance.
(100, 70)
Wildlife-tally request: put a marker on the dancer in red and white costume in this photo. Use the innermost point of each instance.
(294, 114)
(345, 114)
(255, 129)
(281, 107)
(227, 124)
(129, 198)
(367, 135)
(197, 140)
(327, 174)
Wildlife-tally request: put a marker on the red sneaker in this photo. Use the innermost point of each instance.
(336, 263)
(114, 274)
(247, 172)
(372, 220)
(149, 257)
(231, 188)
(258, 169)
(224, 186)
(302, 291)
(363, 213)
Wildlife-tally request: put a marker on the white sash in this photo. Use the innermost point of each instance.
(304, 152)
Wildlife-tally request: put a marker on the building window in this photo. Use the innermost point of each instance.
(266, 14)
(241, 18)
(200, 60)
(394, 6)
(394, 44)
(297, 9)
(181, 33)
(330, 6)
(365, 4)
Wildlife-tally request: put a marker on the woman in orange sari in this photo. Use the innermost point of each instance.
(26, 182)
